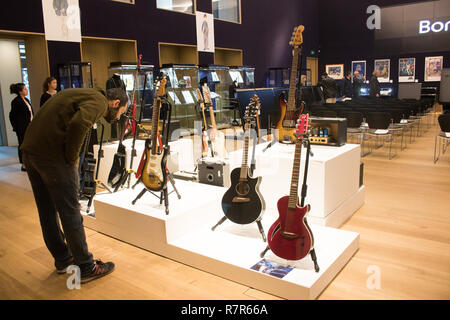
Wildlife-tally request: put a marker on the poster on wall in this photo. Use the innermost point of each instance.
(205, 32)
(433, 68)
(384, 67)
(335, 71)
(62, 20)
(359, 66)
(406, 69)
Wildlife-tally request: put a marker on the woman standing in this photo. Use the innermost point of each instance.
(21, 113)
(49, 89)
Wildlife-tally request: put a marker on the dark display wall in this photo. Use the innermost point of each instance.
(344, 37)
(263, 35)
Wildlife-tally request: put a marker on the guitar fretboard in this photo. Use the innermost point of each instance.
(293, 197)
(155, 123)
(293, 80)
(244, 166)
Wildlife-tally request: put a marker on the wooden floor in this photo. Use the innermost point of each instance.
(404, 228)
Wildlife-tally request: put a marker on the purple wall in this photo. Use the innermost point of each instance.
(264, 34)
(344, 38)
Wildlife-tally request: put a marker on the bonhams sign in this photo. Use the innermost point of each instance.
(425, 26)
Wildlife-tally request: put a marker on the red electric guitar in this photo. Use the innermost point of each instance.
(290, 237)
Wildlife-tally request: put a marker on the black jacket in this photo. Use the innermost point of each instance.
(347, 89)
(357, 84)
(374, 86)
(329, 87)
(20, 115)
(45, 96)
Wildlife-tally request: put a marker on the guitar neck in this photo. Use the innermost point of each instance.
(293, 197)
(293, 80)
(213, 118)
(244, 166)
(155, 123)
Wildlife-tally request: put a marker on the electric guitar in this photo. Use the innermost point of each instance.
(242, 203)
(154, 174)
(205, 126)
(289, 114)
(290, 237)
(216, 138)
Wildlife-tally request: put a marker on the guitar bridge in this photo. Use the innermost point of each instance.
(241, 200)
(289, 235)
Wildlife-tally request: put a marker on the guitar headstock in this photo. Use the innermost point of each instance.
(160, 86)
(302, 125)
(252, 110)
(139, 63)
(206, 93)
(297, 36)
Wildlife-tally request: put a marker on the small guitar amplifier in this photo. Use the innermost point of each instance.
(214, 171)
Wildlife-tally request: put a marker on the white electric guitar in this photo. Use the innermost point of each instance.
(216, 138)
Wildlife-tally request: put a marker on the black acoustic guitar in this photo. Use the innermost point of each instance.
(242, 203)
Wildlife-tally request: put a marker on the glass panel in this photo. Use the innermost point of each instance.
(186, 6)
(226, 10)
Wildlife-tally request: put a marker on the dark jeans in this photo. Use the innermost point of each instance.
(55, 187)
(20, 137)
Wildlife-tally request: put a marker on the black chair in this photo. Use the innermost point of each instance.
(379, 126)
(443, 138)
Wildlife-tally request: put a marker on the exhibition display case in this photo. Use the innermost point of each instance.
(278, 77)
(219, 81)
(74, 75)
(243, 75)
(182, 82)
(127, 73)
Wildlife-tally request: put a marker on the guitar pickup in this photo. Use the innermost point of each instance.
(241, 199)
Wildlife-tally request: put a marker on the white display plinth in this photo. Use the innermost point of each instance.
(180, 158)
(185, 235)
(333, 179)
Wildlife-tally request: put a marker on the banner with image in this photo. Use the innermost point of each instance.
(335, 71)
(433, 68)
(205, 32)
(359, 66)
(384, 67)
(406, 69)
(62, 20)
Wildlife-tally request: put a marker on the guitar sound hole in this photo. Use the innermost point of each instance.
(242, 188)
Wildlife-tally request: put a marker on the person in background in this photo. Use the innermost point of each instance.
(21, 114)
(51, 151)
(49, 89)
(347, 90)
(375, 85)
(329, 87)
(357, 84)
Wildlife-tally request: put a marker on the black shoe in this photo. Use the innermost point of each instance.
(23, 169)
(100, 269)
(62, 268)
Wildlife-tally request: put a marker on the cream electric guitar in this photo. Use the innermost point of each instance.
(216, 138)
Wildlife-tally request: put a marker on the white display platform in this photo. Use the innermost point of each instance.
(180, 158)
(185, 235)
(333, 179)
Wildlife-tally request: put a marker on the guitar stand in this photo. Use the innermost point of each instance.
(252, 169)
(164, 193)
(312, 252)
(100, 155)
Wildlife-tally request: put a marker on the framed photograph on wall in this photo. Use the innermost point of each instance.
(433, 68)
(384, 67)
(62, 20)
(406, 69)
(359, 66)
(335, 71)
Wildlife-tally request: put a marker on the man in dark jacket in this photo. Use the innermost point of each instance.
(357, 84)
(51, 151)
(347, 89)
(329, 87)
(375, 85)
